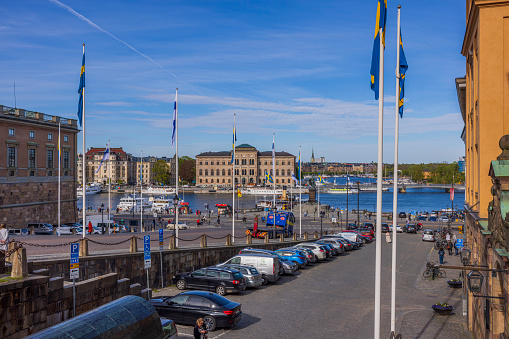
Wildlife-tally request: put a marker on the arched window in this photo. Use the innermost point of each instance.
(223, 181)
(277, 181)
(224, 172)
(243, 181)
(211, 181)
(200, 181)
(217, 172)
(201, 173)
(271, 171)
(206, 181)
(229, 181)
(277, 173)
(229, 172)
(289, 172)
(206, 172)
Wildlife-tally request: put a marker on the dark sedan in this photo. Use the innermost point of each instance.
(186, 307)
(219, 280)
(411, 228)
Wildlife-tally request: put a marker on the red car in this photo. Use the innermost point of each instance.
(366, 234)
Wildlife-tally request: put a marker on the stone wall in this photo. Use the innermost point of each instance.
(38, 301)
(28, 202)
(131, 265)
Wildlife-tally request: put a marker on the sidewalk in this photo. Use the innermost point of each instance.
(423, 322)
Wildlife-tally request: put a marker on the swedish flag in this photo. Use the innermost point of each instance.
(233, 144)
(80, 90)
(403, 66)
(381, 14)
(268, 177)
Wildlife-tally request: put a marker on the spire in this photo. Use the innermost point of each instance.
(312, 155)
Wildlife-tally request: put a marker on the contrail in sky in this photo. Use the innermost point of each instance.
(73, 12)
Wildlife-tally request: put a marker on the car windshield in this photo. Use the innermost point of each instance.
(237, 275)
(428, 232)
(218, 300)
(253, 271)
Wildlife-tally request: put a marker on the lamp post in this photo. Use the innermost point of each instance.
(465, 255)
(358, 211)
(475, 280)
(102, 217)
(321, 226)
(175, 207)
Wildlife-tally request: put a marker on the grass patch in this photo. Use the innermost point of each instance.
(6, 279)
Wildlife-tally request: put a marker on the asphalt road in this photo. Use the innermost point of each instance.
(333, 299)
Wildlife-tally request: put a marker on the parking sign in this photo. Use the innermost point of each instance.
(459, 243)
(74, 268)
(146, 250)
(161, 240)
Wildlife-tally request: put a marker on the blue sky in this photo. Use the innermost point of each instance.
(296, 68)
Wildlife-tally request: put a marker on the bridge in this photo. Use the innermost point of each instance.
(403, 187)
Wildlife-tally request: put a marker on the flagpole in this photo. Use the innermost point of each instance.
(83, 181)
(59, 170)
(274, 183)
(109, 187)
(177, 167)
(233, 194)
(378, 260)
(300, 197)
(141, 193)
(395, 185)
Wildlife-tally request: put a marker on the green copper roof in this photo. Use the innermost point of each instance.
(500, 168)
(244, 146)
(484, 226)
(502, 252)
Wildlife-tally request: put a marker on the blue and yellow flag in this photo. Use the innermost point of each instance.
(298, 165)
(268, 177)
(80, 90)
(403, 66)
(233, 143)
(381, 14)
(320, 179)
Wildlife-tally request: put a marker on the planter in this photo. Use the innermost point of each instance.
(442, 310)
(455, 284)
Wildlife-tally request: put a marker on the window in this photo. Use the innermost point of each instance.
(180, 299)
(277, 172)
(206, 162)
(11, 157)
(49, 158)
(265, 163)
(32, 134)
(236, 171)
(217, 163)
(50, 136)
(66, 138)
(223, 163)
(223, 181)
(288, 172)
(11, 132)
(224, 172)
(211, 181)
(243, 171)
(217, 172)
(31, 158)
(236, 161)
(200, 181)
(201, 172)
(213, 273)
(200, 163)
(229, 172)
(282, 163)
(244, 161)
(206, 172)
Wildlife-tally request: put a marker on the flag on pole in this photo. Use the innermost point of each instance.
(381, 14)
(403, 66)
(80, 90)
(106, 156)
(348, 180)
(268, 177)
(233, 142)
(320, 179)
(174, 128)
(273, 157)
(239, 193)
(452, 194)
(295, 179)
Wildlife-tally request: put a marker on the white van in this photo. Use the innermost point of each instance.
(267, 265)
(349, 235)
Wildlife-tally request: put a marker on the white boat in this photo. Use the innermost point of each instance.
(128, 203)
(160, 204)
(341, 190)
(260, 191)
(372, 189)
(161, 190)
(92, 188)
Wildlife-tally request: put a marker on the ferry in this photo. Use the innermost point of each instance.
(127, 204)
(92, 188)
(341, 190)
(372, 189)
(260, 191)
(161, 204)
(159, 190)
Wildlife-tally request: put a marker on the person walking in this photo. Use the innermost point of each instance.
(441, 254)
(218, 220)
(454, 239)
(448, 237)
(388, 237)
(199, 330)
(89, 227)
(4, 238)
(449, 247)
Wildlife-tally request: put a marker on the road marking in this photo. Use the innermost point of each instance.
(185, 335)
(431, 250)
(220, 335)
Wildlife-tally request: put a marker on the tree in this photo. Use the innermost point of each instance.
(187, 169)
(161, 172)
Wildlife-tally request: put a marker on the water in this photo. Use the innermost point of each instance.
(425, 199)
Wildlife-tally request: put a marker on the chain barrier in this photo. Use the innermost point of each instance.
(189, 239)
(110, 243)
(11, 251)
(40, 245)
(215, 238)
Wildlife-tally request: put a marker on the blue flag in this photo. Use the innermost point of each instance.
(268, 177)
(106, 156)
(80, 91)
(403, 66)
(233, 142)
(295, 179)
(174, 128)
(381, 14)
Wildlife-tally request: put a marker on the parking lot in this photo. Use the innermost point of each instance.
(330, 299)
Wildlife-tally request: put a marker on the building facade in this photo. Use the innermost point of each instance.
(215, 168)
(29, 167)
(482, 97)
(120, 162)
(148, 166)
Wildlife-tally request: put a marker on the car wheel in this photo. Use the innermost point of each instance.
(181, 284)
(265, 280)
(221, 290)
(210, 323)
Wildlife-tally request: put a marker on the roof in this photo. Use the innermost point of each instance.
(278, 154)
(94, 151)
(244, 146)
(215, 154)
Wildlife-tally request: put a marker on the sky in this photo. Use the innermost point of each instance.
(299, 69)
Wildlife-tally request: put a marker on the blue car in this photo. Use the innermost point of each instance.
(433, 218)
(295, 256)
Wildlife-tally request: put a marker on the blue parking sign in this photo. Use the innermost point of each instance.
(146, 250)
(74, 267)
(459, 243)
(161, 240)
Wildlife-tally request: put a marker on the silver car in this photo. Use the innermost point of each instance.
(317, 250)
(338, 245)
(288, 266)
(253, 277)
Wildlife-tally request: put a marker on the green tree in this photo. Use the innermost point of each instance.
(187, 169)
(161, 172)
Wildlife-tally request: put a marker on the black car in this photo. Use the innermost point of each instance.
(402, 215)
(219, 280)
(411, 228)
(385, 227)
(186, 307)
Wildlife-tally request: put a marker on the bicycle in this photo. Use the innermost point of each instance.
(433, 271)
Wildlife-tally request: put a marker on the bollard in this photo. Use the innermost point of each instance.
(142, 229)
(19, 263)
(172, 243)
(294, 237)
(203, 240)
(249, 239)
(133, 248)
(229, 240)
(281, 237)
(54, 230)
(73, 231)
(266, 239)
(305, 235)
(84, 247)
(32, 230)
(12, 245)
(316, 235)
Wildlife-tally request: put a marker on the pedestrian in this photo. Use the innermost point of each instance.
(454, 240)
(448, 237)
(449, 247)
(441, 254)
(4, 237)
(388, 237)
(199, 330)
(90, 227)
(218, 220)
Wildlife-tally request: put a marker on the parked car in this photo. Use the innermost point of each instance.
(95, 230)
(348, 244)
(399, 229)
(411, 228)
(433, 218)
(288, 266)
(428, 235)
(298, 260)
(332, 250)
(421, 218)
(169, 329)
(338, 245)
(385, 227)
(310, 256)
(220, 280)
(253, 277)
(40, 228)
(64, 230)
(18, 231)
(72, 224)
(317, 250)
(297, 257)
(186, 307)
(266, 264)
(181, 226)
(368, 225)
(402, 215)
(350, 236)
(444, 218)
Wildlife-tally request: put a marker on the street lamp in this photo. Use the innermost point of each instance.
(358, 212)
(175, 206)
(465, 255)
(321, 226)
(102, 217)
(475, 280)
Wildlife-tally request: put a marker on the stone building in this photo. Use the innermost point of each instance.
(148, 164)
(29, 167)
(482, 97)
(215, 168)
(120, 162)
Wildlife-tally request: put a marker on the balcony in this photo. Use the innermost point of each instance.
(21, 114)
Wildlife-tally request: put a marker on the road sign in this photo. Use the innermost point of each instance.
(334, 220)
(161, 240)
(74, 268)
(146, 250)
(459, 243)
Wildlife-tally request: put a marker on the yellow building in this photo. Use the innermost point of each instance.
(483, 96)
